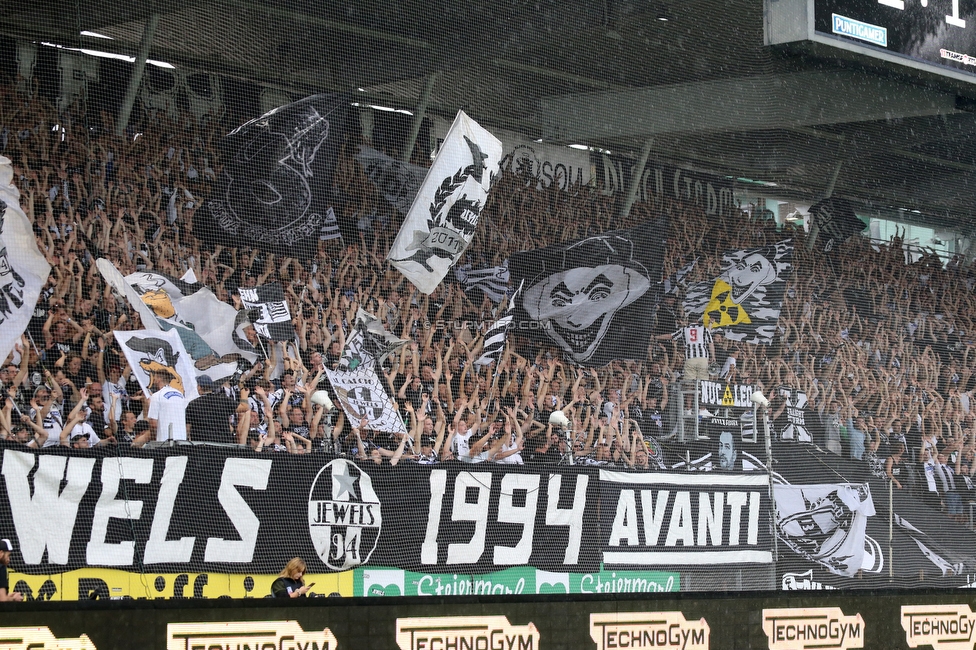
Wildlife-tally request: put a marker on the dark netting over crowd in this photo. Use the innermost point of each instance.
(468, 361)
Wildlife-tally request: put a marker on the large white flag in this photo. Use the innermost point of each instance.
(444, 216)
(147, 351)
(23, 270)
(212, 331)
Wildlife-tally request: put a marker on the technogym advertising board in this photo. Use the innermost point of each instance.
(869, 620)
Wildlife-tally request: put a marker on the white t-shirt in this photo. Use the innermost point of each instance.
(85, 429)
(108, 390)
(53, 424)
(514, 459)
(168, 407)
(462, 447)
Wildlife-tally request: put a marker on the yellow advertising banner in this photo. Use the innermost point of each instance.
(105, 584)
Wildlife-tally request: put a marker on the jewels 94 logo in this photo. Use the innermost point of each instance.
(344, 515)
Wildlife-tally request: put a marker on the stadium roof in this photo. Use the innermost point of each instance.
(691, 80)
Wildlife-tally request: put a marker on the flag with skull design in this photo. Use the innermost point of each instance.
(745, 300)
(444, 216)
(593, 297)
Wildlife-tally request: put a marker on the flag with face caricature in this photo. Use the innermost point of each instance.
(592, 297)
(153, 351)
(23, 270)
(745, 300)
(445, 214)
(212, 332)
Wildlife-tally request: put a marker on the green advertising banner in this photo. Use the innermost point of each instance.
(381, 581)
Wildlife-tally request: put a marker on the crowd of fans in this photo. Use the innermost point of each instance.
(880, 346)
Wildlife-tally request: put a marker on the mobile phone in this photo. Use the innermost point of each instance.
(310, 585)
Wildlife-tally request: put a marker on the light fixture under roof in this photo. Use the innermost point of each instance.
(96, 35)
(109, 55)
(663, 18)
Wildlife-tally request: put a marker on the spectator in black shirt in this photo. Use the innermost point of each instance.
(5, 594)
(289, 583)
(208, 416)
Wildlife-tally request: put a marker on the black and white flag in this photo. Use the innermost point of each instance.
(745, 300)
(369, 343)
(275, 190)
(23, 270)
(356, 382)
(275, 320)
(491, 281)
(947, 567)
(444, 216)
(796, 415)
(365, 401)
(826, 523)
(397, 181)
(836, 222)
(592, 297)
(330, 227)
(678, 279)
(491, 352)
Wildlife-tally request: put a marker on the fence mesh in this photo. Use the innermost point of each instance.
(291, 303)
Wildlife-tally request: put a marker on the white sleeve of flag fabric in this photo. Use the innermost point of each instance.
(116, 280)
(189, 276)
(444, 216)
(23, 269)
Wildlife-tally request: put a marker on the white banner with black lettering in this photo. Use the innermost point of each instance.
(689, 519)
